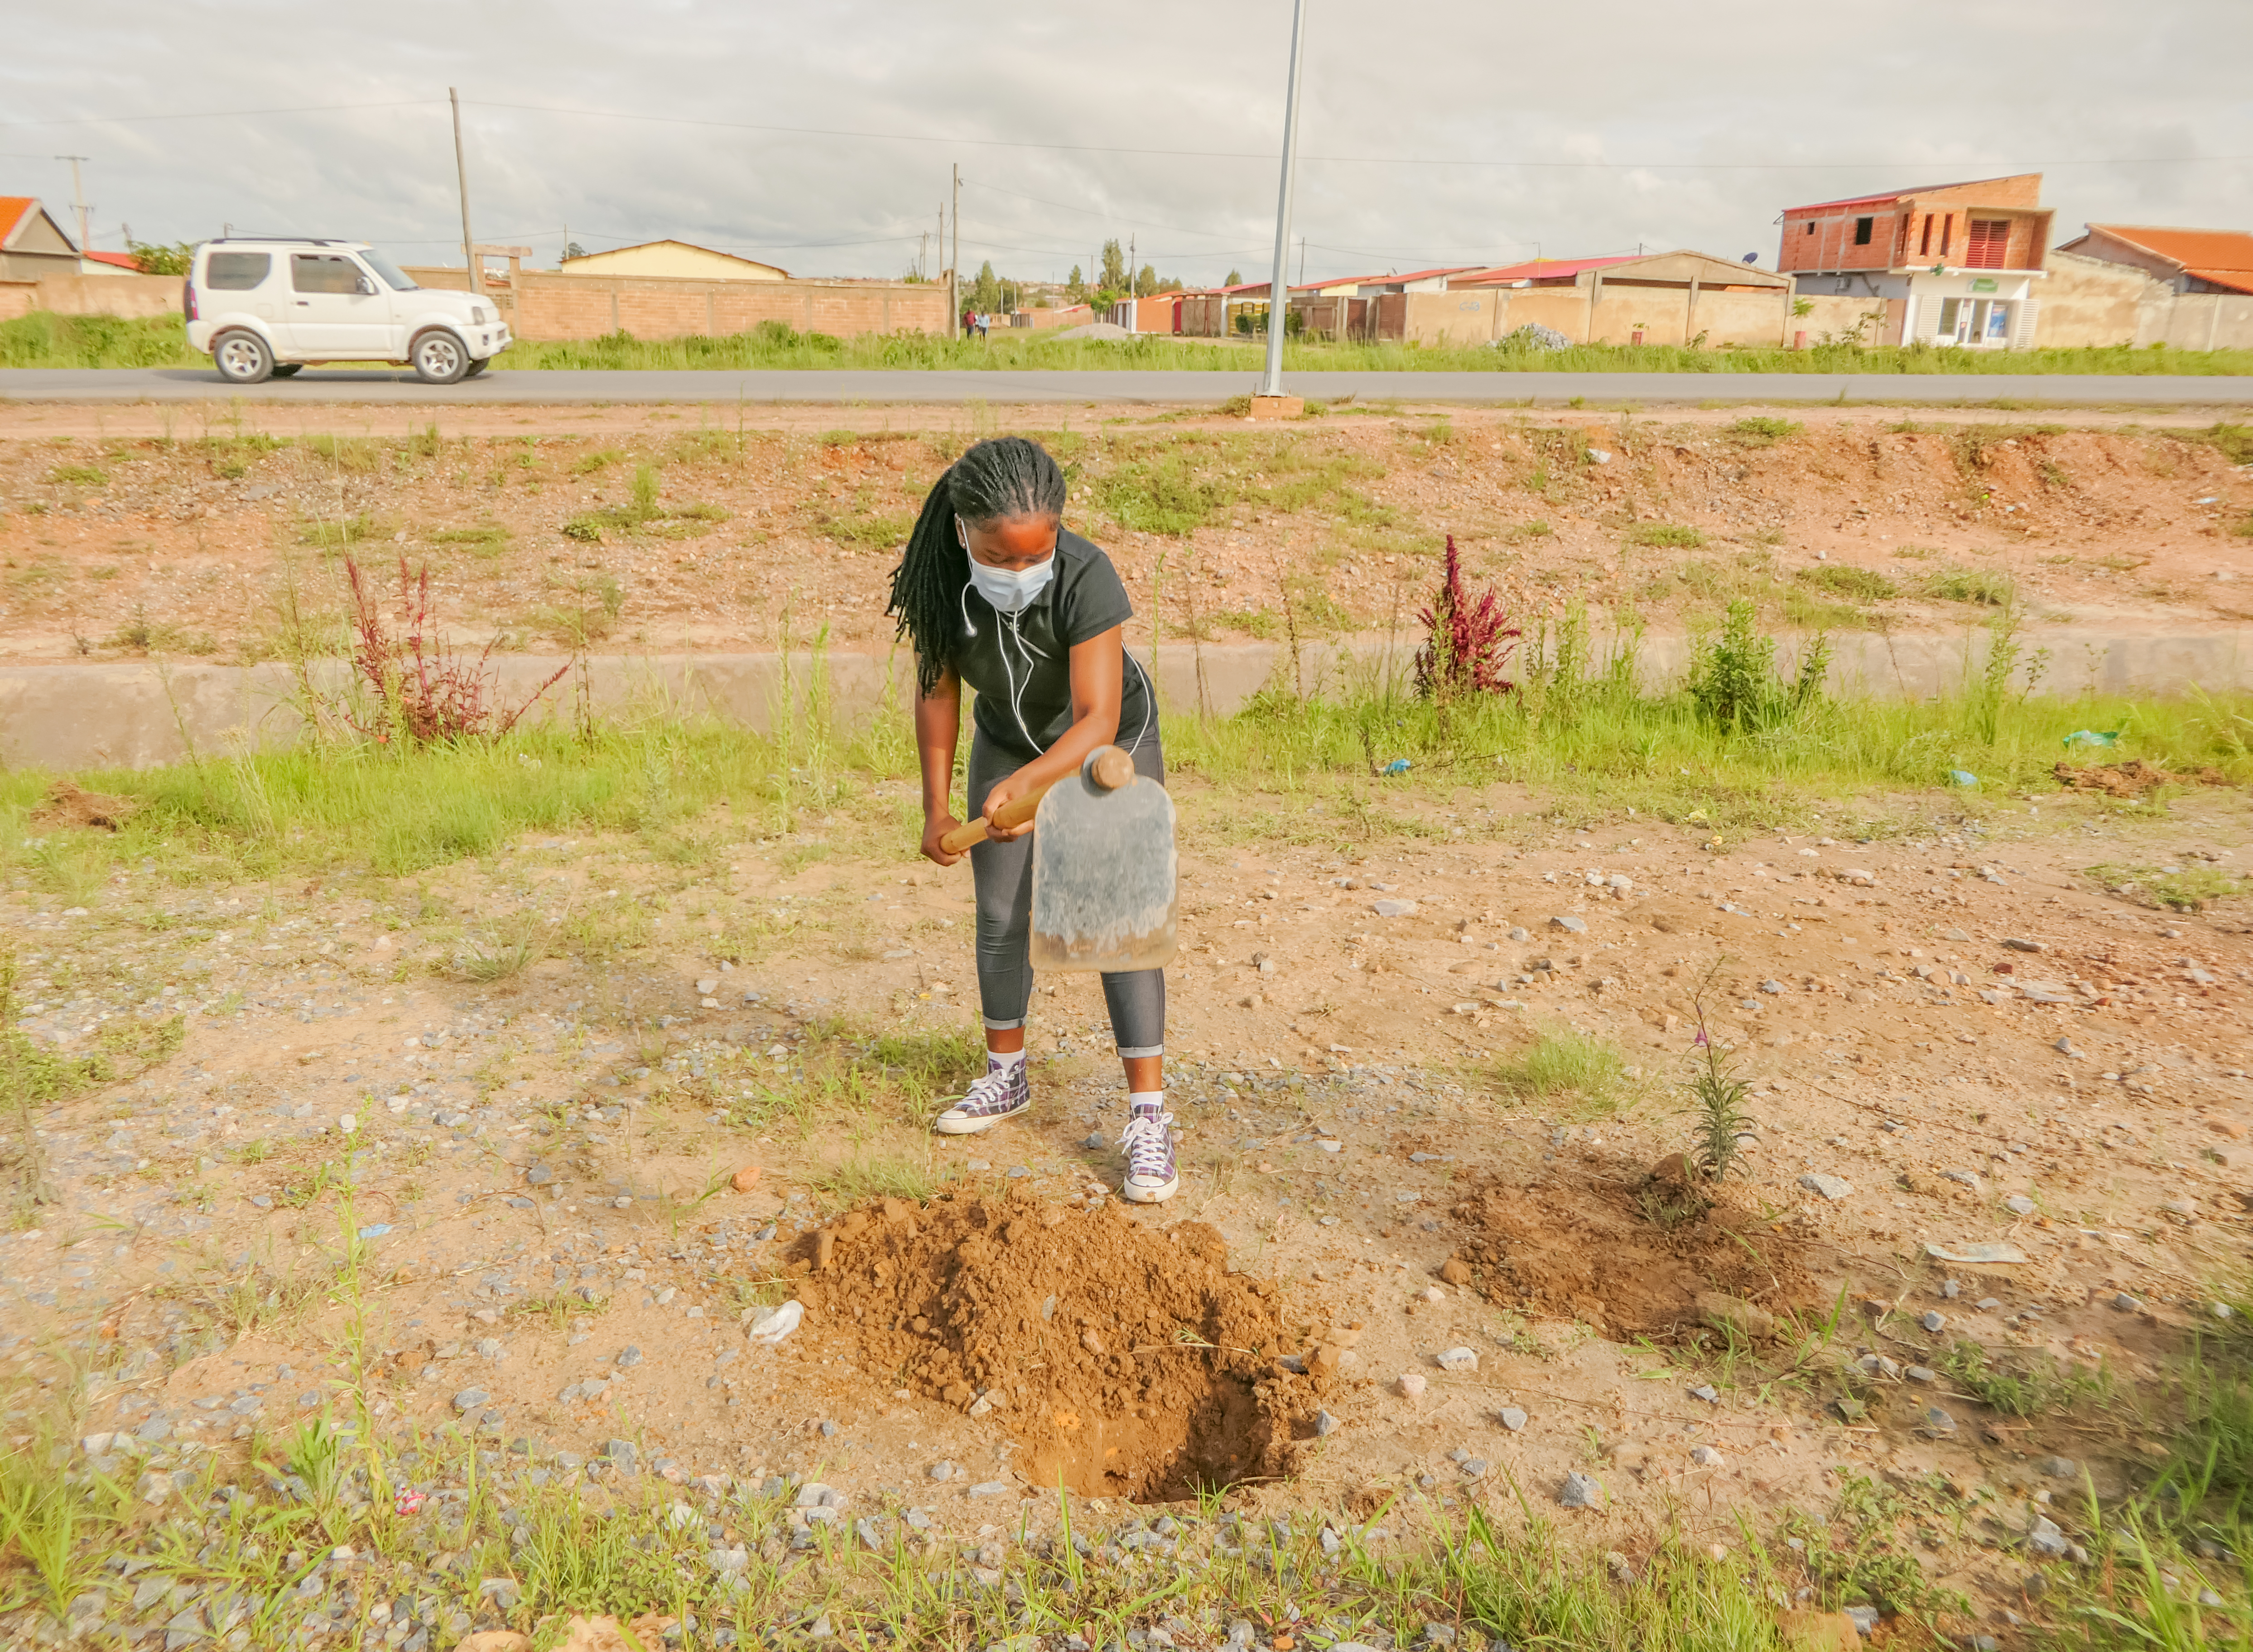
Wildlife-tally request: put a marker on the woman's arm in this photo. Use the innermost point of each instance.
(1098, 666)
(938, 730)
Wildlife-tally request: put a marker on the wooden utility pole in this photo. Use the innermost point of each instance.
(462, 178)
(954, 271)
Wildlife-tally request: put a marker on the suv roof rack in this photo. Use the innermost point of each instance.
(308, 241)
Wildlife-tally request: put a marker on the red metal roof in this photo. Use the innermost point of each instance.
(1412, 275)
(2221, 256)
(1545, 269)
(123, 260)
(13, 211)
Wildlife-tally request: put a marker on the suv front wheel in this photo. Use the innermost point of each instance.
(242, 358)
(439, 357)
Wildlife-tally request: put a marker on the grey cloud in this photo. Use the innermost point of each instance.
(1925, 91)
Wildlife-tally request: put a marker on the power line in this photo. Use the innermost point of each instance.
(224, 114)
(1091, 212)
(1114, 148)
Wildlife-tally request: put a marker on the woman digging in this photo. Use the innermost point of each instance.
(994, 591)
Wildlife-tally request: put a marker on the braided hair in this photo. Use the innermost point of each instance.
(1006, 479)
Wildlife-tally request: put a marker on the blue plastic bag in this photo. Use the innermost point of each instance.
(1961, 777)
(2091, 737)
(1398, 765)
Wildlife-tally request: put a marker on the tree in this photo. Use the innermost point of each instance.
(1114, 266)
(985, 293)
(156, 258)
(1235, 279)
(572, 249)
(1076, 287)
(1147, 282)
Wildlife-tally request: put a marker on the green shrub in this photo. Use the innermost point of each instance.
(1667, 534)
(1733, 676)
(1759, 430)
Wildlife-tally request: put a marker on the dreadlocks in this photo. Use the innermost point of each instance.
(1005, 478)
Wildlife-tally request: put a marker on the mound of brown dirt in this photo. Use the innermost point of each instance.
(1127, 1358)
(1590, 1254)
(2132, 779)
(65, 805)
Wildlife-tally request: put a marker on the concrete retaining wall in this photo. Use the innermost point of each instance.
(134, 716)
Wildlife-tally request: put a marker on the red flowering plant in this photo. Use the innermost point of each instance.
(1468, 643)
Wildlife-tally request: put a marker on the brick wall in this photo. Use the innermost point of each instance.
(580, 307)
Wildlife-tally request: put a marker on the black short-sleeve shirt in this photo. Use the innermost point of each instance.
(1022, 667)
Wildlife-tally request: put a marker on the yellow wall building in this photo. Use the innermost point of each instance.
(674, 258)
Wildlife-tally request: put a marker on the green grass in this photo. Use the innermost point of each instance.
(1842, 579)
(486, 539)
(1566, 1068)
(1667, 535)
(1981, 587)
(779, 348)
(1760, 431)
(2180, 889)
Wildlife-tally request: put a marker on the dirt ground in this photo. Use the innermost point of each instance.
(1386, 1275)
(204, 534)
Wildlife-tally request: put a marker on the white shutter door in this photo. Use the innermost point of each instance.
(2022, 335)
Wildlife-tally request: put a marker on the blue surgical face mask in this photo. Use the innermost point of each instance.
(1010, 591)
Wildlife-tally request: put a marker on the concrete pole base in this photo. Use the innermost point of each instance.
(1278, 406)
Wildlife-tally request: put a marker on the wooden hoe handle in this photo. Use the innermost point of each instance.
(1014, 813)
(1106, 767)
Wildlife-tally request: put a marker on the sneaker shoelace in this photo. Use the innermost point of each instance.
(1149, 1139)
(991, 1092)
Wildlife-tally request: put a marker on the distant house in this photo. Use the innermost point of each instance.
(94, 263)
(33, 246)
(1415, 280)
(1951, 263)
(2190, 260)
(1538, 272)
(673, 258)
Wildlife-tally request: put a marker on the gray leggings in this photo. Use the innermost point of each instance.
(1003, 875)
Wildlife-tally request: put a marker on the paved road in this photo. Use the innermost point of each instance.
(314, 385)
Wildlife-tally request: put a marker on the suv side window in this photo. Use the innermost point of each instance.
(236, 272)
(323, 273)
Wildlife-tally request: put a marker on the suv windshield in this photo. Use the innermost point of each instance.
(394, 276)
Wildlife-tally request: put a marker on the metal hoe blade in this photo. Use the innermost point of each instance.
(1104, 874)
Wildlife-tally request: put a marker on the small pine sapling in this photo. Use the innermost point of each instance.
(1717, 1098)
(1466, 644)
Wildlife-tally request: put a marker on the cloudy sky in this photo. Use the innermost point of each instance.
(818, 134)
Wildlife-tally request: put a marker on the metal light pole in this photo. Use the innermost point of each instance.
(1279, 299)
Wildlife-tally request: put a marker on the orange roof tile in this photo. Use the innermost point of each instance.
(2222, 256)
(13, 209)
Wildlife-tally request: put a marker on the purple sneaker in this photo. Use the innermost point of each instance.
(1148, 1140)
(1002, 1093)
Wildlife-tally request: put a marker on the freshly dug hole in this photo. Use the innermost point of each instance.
(1127, 1358)
(1590, 1254)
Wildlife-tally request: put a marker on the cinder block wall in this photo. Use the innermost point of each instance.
(561, 308)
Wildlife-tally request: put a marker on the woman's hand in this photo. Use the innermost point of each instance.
(936, 826)
(1008, 790)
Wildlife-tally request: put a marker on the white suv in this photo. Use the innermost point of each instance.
(263, 307)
